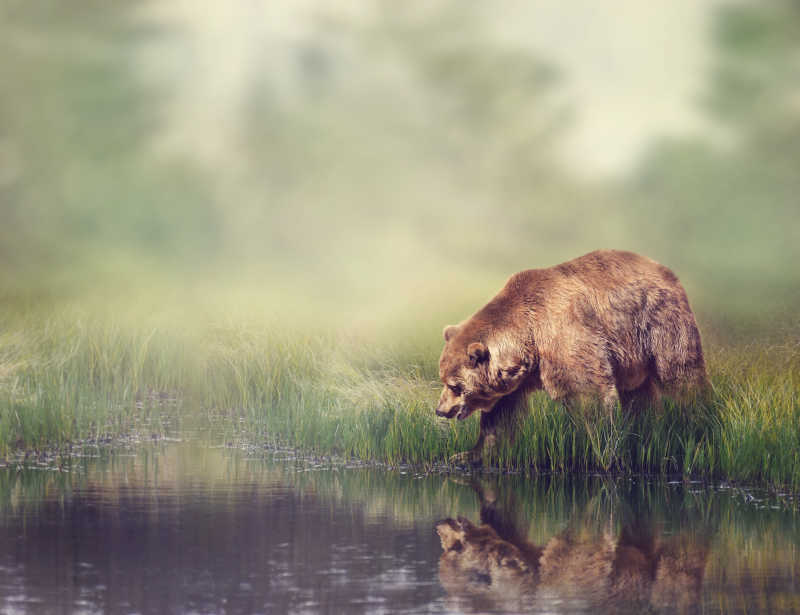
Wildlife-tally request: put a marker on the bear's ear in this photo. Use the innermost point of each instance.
(449, 331)
(450, 534)
(478, 353)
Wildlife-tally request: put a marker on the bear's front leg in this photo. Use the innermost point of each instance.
(500, 418)
(487, 440)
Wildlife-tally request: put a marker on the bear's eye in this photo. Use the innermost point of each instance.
(455, 388)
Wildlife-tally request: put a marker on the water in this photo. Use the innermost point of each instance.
(185, 528)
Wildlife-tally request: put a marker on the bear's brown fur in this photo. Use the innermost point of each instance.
(609, 325)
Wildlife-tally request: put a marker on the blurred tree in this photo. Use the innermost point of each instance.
(81, 194)
(728, 210)
(419, 129)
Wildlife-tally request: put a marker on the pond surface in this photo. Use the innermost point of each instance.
(185, 528)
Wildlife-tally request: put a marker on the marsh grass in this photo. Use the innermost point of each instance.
(67, 375)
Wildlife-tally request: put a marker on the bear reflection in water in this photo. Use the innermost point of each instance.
(493, 567)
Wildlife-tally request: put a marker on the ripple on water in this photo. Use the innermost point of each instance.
(179, 527)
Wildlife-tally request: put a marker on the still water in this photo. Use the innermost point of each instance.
(184, 528)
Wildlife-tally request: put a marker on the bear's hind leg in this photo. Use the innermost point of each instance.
(678, 358)
(687, 384)
(646, 395)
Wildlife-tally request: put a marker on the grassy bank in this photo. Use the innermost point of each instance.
(70, 373)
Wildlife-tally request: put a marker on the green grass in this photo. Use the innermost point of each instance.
(70, 373)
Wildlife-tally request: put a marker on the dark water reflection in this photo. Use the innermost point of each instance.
(182, 528)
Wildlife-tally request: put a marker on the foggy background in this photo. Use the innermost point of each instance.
(367, 163)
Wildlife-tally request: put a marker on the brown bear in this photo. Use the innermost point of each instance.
(608, 571)
(610, 325)
(494, 567)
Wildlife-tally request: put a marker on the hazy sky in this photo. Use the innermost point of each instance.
(631, 70)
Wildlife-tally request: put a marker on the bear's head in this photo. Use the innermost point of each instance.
(478, 369)
(477, 563)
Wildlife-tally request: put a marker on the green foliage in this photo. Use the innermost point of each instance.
(351, 203)
(77, 374)
(726, 208)
(82, 197)
(406, 154)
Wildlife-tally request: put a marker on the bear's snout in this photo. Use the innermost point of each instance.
(447, 414)
(449, 405)
(459, 411)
